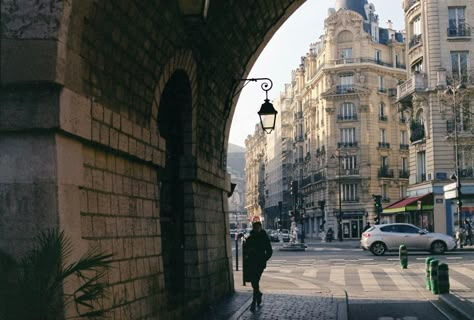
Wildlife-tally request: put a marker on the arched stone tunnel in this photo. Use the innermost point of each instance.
(114, 121)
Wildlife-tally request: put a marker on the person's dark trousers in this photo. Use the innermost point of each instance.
(255, 281)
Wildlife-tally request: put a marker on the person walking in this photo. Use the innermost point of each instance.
(367, 227)
(258, 250)
(468, 228)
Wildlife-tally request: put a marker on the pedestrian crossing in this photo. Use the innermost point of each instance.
(369, 278)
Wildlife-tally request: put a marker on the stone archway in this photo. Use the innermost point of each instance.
(174, 102)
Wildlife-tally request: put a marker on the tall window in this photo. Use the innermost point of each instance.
(385, 192)
(466, 161)
(421, 166)
(383, 135)
(457, 21)
(397, 61)
(417, 67)
(345, 53)
(384, 161)
(416, 26)
(347, 110)
(403, 191)
(382, 114)
(378, 55)
(381, 84)
(348, 135)
(459, 65)
(349, 162)
(404, 164)
(345, 83)
(403, 137)
(349, 192)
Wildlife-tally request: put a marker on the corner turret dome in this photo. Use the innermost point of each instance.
(354, 5)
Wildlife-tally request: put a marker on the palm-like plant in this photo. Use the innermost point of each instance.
(33, 288)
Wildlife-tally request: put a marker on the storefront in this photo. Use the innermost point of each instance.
(353, 224)
(416, 210)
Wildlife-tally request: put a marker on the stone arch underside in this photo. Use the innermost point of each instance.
(90, 79)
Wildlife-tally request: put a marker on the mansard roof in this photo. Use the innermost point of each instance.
(354, 5)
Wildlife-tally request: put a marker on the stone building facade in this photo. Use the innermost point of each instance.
(114, 124)
(347, 133)
(255, 159)
(440, 54)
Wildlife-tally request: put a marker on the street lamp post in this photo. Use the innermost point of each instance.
(339, 218)
(454, 91)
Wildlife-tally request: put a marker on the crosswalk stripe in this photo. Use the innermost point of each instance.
(464, 271)
(310, 273)
(368, 280)
(337, 276)
(456, 285)
(399, 280)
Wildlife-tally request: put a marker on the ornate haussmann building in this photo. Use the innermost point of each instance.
(440, 55)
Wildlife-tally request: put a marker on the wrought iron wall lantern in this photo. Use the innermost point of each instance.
(267, 112)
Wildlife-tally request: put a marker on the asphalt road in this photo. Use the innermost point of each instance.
(377, 287)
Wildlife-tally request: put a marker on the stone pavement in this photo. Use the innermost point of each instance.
(315, 306)
(323, 304)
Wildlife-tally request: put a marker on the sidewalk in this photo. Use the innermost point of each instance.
(319, 306)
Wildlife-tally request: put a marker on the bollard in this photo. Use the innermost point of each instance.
(427, 272)
(434, 284)
(403, 253)
(443, 278)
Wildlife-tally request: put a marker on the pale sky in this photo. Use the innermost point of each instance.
(283, 54)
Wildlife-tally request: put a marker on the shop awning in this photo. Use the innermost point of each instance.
(410, 204)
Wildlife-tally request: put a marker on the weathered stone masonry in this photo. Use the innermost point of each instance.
(81, 147)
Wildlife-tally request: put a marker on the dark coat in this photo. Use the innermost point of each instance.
(257, 251)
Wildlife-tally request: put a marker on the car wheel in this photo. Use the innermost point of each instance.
(438, 247)
(378, 248)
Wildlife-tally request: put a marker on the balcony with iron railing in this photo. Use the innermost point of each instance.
(421, 178)
(406, 89)
(404, 174)
(351, 199)
(384, 145)
(298, 115)
(320, 151)
(462, 30)
(383, 117)
(349, 172)
(407, 4)
(404, 146)
(385, 172)
(368, 60)
(385, 199)
(347, 144)
(415, 40)
(467, 172)
(347, 117)
(319, 176)
(417, 131)
(344, 88)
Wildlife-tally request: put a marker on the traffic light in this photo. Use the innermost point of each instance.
(321, 204)
(378, 207)
(294, 187)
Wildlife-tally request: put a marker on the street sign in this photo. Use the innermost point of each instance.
(451, 194)
(449, 187)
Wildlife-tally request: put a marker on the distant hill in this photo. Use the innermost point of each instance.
(233, 148)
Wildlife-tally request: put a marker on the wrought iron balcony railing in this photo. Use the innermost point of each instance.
(415, 40)
(347, 117)
(404, 174)
(417, 131)
(382, 117)
(385, 172)
(384, 145)
(344, 88)
(347, 144)
(404, 146)
(460, 30)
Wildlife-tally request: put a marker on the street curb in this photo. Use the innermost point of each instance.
(343, 308)
(241, 310)
(456, 305)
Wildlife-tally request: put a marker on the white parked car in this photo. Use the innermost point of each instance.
(389, 237)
